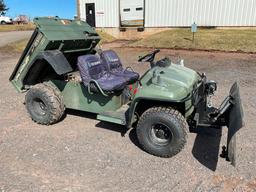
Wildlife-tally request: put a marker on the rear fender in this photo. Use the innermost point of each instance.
(57, 60)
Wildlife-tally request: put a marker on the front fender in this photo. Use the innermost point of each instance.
(153, 102)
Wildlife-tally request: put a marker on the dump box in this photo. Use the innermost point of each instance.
(65, 39)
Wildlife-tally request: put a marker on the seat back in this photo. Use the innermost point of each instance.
(91, 67)
(112, 60)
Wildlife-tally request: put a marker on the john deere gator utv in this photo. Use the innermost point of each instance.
(61, 68)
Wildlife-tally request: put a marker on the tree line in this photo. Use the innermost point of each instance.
(3, 7)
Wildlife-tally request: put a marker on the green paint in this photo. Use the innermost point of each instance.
(54, 33)
(55, 29)
(172, 83)
(110, 119)
(76, 96)
(176, 83)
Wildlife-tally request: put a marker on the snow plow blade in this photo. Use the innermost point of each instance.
(235, 123)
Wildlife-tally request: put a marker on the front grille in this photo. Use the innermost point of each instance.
(198, 92)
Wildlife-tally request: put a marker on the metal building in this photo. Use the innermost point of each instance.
(167, 13)
(99, 13)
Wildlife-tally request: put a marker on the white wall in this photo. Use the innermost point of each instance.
(180, 13)
(109, 8)
(175, 13)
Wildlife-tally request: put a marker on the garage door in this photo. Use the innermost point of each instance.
(132, 12)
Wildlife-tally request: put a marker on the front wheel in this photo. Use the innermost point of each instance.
(162, 131)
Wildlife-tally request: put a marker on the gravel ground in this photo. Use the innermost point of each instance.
(82, 154)
(13, 36)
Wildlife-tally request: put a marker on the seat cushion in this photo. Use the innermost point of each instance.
(128, 75)
(111, 83)
(115, 66)
(112, 60)
(92, 68)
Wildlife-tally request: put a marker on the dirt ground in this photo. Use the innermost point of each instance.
(82, 154)
(13, 36)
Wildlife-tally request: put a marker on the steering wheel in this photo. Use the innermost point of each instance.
(149, 57)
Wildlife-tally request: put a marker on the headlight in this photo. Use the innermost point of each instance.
(210, 87)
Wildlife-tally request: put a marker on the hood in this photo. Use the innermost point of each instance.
(177, 75)
(174, 82)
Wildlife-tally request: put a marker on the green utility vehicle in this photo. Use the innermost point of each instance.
(62, 68)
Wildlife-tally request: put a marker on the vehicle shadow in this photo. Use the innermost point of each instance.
(133, 138)
(80, 114)
(103, 125)
(206, 147)
(112, 127)
(122, 130)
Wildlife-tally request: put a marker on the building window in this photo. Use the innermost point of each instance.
(139, 9)
(126, 10)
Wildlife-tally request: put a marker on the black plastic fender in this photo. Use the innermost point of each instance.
(57, 60)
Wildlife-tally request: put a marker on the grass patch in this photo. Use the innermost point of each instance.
(105, 37)
(15, 47)
(243, 40)
(7, 28)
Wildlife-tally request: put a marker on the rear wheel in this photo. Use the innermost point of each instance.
(44, 104)
(3, 23)
(162, 131)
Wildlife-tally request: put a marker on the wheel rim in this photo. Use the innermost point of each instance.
(161, 134)
(39, 106)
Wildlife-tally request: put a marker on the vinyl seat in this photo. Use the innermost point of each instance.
(115, 66)
(92, 69)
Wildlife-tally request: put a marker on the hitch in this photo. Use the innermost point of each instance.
(224, 107)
